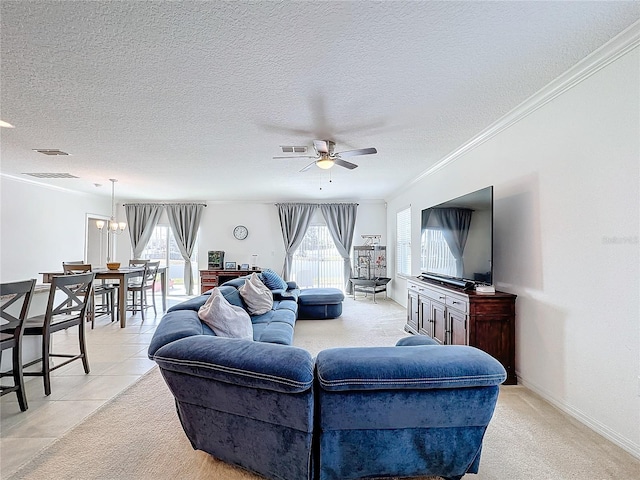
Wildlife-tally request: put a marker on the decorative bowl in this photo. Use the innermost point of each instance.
(113, 265)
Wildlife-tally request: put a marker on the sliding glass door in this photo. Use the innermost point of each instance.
(317, 262)
(162, 246)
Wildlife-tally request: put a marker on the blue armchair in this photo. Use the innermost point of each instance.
(403, 411)
(246, 403)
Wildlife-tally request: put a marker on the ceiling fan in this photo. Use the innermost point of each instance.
(326, 158)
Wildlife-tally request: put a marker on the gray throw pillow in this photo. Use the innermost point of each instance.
(225, 320)
(256, 295)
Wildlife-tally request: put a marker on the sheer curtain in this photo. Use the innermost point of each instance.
(341, 221)
(142, 219)
(294, 222)
(184, 220)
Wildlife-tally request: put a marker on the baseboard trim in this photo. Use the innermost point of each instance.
(624, 443)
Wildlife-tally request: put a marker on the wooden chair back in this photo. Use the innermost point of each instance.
(18, 294)
(150, 274)
(16, 299)
(73, 268)
(68, 296)
(138, 262)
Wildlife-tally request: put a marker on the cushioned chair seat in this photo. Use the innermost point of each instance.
(246, 403)
(320, 303)
(404, 412)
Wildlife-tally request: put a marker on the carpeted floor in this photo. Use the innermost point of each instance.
(138, 436)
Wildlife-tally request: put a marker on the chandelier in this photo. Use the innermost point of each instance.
(114, 226)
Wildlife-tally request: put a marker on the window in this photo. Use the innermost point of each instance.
(435, 253)
(162, 246)
(317, 262)
(403, 242)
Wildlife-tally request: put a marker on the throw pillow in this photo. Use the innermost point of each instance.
(273, 280)
(256, 295)
(225, 320)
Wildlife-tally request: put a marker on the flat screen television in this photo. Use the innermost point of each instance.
(456, 244)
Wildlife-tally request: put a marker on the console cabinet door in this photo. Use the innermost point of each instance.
(457, 327)
(425, 325)
(412, 311)
(438, 321)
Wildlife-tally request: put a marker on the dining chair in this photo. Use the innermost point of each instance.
(16, 297)
(137, 262)
(66, 307)
(105, 291)
(139, 287)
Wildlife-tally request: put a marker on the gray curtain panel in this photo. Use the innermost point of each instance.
(455, 230)
(142, 218)
(341, 221)
(294, 222)
(184, 220)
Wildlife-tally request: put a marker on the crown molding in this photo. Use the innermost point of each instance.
(618, 46)
(58, 188)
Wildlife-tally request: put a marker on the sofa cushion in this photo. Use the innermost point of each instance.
(320, 296)
(409, 367)
(235, 282)
(192, 304)
(256, 295)
(225, 320)
(247, 364)
(176, 325)
(414, 340)
(272, 280)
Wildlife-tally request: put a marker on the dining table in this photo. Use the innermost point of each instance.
(122, 275)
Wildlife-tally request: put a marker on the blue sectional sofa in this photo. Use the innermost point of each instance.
(275, 326)
(269, 407)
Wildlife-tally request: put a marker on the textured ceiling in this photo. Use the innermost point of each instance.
(190, 100)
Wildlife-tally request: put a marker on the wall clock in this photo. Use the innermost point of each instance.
(240, 232)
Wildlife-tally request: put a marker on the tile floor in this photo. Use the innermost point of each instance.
(117, 357)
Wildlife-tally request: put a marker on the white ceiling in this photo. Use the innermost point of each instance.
(190, 100)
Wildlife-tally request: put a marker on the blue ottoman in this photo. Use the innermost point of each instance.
(320, 303)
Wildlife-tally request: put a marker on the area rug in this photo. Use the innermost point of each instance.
(137, 435)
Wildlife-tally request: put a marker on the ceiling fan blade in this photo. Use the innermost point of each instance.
(321, 146)
(287, 130)
(360, 151)
(345, 164)
(308, 167)
(296, 156)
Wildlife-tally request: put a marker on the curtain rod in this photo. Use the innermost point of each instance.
(324, 203)
(164, 204)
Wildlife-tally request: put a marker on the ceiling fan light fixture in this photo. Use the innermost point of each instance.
(325, 163)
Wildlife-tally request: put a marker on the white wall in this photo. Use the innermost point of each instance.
(567, 197)
(41, 227)
(265, 236)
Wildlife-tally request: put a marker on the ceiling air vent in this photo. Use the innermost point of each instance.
(50, 151)
(51, 175)
(293, 149)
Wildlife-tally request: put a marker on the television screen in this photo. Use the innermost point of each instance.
(457, 238)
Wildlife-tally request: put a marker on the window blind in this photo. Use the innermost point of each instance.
(403, 242)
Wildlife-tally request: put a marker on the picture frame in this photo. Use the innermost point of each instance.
(244, 266)
(215, 259)
(229, 265)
